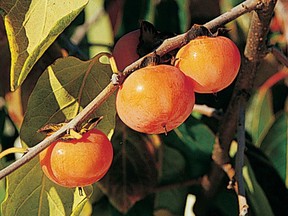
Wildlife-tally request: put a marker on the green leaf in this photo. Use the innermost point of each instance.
(173, 171)
(269, 179)
(275, 145)
(259, 115)
(31, 27)
(143, 207)
(2, 184)
(133, 11)
(162, 212)
(133, 173)
(172, 200)
(102, 207)
(257, 199)
(62, 91)
(204, 206)
(167, 16)
(184, 14)
(30, 192)
(195, 141)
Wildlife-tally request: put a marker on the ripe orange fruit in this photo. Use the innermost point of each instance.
(213, 62)
(77, 162)
(155, 99)
(125, 49)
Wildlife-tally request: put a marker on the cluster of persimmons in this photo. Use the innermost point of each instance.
(153, 99)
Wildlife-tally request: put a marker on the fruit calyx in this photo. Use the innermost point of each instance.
(71, 133)
(196, 31)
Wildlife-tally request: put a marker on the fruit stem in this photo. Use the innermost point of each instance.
(80, 190)
(165, 130)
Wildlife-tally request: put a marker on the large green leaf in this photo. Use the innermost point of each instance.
(257, 199)
(259, 115)
(133, 11)
(62, 91)
(133, 173)
(173, 171)
(143, 207)
(30, 192)
(32, 26)
(275, 145)
(167, 16)
(2, 185)
(102, 207)
(184, 14)
(269, 179)
(195, 141)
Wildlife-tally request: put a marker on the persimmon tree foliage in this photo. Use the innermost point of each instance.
(201, 98)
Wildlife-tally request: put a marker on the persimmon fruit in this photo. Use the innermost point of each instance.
(212, 62)
(155, 99)
(125, 49)
(77, 162)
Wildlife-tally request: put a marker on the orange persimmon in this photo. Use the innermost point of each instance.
(77, 162)
(155, 99)
(212, 62)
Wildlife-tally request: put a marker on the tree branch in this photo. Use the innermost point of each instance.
(180, 40)
(167, 46)
(81, 117)
(242, 202)
(255, 50)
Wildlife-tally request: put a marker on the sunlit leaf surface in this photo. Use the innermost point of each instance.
(30, 192)
(61, 93)
(31, 28)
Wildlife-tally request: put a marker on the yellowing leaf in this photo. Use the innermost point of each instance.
(62, 91)
(30, 192)
(32, 26)
(173, 199)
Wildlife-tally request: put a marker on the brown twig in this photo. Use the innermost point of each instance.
(168, 45)
(180, 40)
(81, 117)
(255, 50)
(242, 202)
